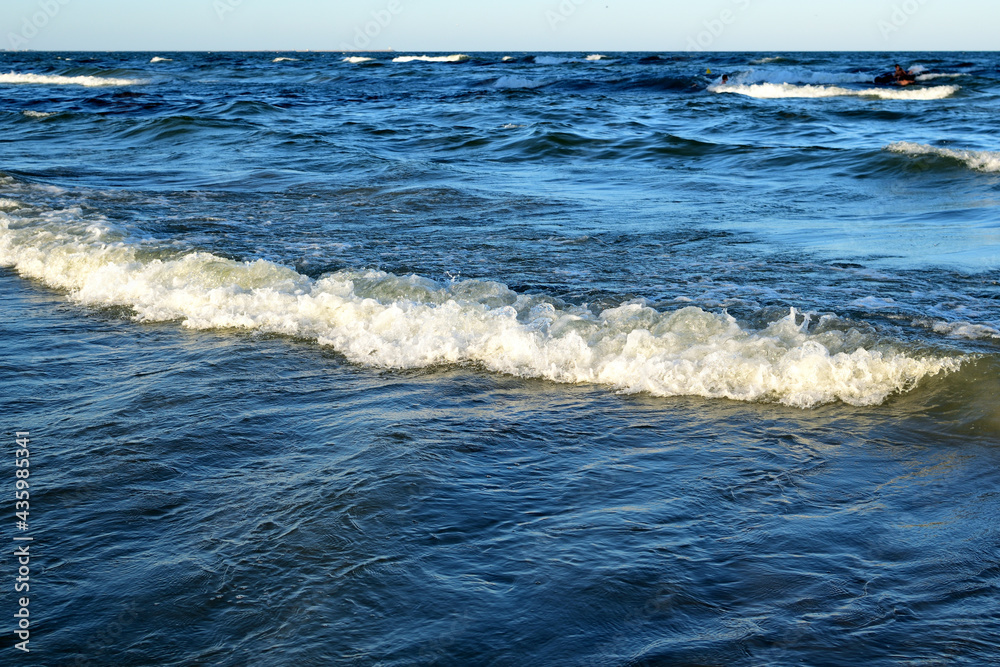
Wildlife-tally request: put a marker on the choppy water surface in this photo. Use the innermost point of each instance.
(505, 358)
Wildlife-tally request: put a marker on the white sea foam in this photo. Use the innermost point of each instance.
(288, 60)
(939, 75)
(38, 114)
(457, 58)
(357, 59)
(508, 59)
(596, 56)
(57, 80)
(514, 82)
(966, 330)
(158, 59)
(787, 90)
(917, 69)
(769, 59)
(385, 320)
(988, 161)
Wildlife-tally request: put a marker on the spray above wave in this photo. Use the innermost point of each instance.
(385, 320)
(58, 80)
(457, 58)
(988, 161)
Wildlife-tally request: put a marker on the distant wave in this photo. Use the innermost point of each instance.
(938, 75)
(397, 321)
(158, 59)
(457, 58)
(285, 60)
(555, 60)
(767, 60)
(57, 80)
(38, 114)
(798, 75)
(515, 82)
(787, 90)
(988, 161)
(357, 59)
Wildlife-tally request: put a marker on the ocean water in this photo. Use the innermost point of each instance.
(503, 358)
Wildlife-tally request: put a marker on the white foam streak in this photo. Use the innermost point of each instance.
(158, 59)
(457, 58)
(988, 161)
(57, 80)
(282, 59)
(385, 320)
(357, 59)
(787, 90)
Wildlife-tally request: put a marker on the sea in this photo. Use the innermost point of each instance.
(500, 359)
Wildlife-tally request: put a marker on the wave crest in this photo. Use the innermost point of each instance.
(457, 58)
(58, 80)
(988, 161)
(385, 320)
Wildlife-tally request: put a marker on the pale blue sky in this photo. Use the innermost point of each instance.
(512, 25)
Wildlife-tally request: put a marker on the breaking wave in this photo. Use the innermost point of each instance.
(988, 161)
(457, 58)
(516, 82)
(787, 90)
(58, 80)
(386, 320)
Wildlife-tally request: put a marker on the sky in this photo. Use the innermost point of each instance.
(511, 25)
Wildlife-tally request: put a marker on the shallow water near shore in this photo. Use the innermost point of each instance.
(458, 359)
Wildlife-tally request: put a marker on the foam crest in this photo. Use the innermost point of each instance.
(967, 330)
(290, 60)
(515, 82)
(158, 59)
(988, 161)
(58, 80)
(457, 58)
(358, 59)
(384, 320)
(938, 75)
(787, 90)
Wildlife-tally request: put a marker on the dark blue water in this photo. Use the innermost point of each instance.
(502, 359)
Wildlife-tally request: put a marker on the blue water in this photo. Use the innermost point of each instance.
(536, 360)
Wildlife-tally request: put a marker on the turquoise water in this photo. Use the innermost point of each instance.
(543, 360)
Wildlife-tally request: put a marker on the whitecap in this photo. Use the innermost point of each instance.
(515, 82)
(357, 59)
(284, 60)
(58, 80)
(966, 330)
(457, 58)
(787, 90)
(938, 75)
(38, 114)
(158, 59)
(384, 320)
(988, 161)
